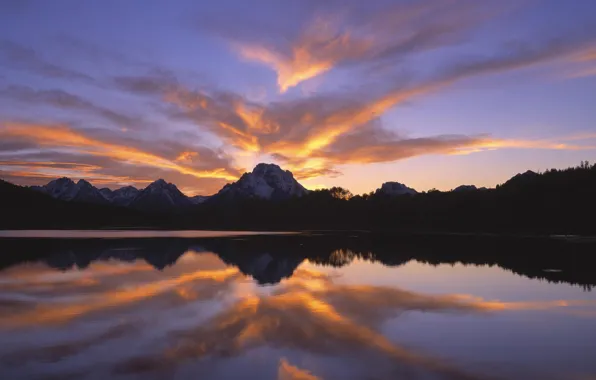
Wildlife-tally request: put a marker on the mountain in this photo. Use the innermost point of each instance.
(553, 202)
(121, 197)
(198, 199)
(464, 188)
(24, 207)
(393, 189)
(65, 189)
(522, 179)
(160, 196)
(266, 181)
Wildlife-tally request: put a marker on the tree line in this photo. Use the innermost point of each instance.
(551, 202)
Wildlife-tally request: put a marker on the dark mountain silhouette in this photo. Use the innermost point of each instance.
(23, 207)
(65, 189)
(393, 189)
(466, 188)
(553, 202)
(269, 259)
(266, 181)
(160, 196)
(198, 199)
(121, 197)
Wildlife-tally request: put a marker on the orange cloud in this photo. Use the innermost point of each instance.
(586, 58)
(52, 170)
(312, 135)
(330, 41)
(187, 156)
(62, 137)
(287, 371)
(318, 50)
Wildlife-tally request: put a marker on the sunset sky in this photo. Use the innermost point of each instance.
(430, 93)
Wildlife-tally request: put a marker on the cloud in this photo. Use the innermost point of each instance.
(62, 139)
(39, 173)
(374, 144)
(315, 134)
(23, 58)
(65, 100)
(347, 128)
(587, 62)
(287, 371)
(356, 37)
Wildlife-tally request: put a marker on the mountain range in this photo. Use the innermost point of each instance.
(266, 181)
(269, 198)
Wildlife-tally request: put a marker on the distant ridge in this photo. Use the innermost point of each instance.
(160, 196)
(266, 181)
(393, 189)
(269, 198)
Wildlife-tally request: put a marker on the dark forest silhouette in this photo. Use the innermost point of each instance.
(553, 202)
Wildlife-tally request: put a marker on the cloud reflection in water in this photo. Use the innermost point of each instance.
(311, 312)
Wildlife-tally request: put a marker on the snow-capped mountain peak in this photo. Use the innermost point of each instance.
(121, 197)
(266, 181)
(62, 188)
(160, 196)
(198, 199)
(395, 189)
(67, 190)
(160, 183)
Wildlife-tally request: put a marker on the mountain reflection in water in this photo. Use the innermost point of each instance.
(99, 308)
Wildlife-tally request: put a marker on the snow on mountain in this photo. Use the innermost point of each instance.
(393, 189)
(107, 193)
(198, 199)
(67, 190)
(61, 188)
(160, 196)
(121, 197)
(89, 193)
(266, 181)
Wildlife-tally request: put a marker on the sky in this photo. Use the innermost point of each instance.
(429, 93)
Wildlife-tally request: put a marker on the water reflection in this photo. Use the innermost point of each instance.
(269, 259)
(168, 308)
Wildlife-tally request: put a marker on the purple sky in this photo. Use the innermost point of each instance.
(431, 93)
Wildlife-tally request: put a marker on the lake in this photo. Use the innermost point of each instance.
(353, 305)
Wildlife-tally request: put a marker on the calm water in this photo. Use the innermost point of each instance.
(349, 306)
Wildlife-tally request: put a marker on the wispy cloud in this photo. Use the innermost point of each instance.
(311, 135)
(33, 172)
(390, 33)
(66, 100)
(584, 64)
(21, 57)
(58, 137)
(286, 371)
